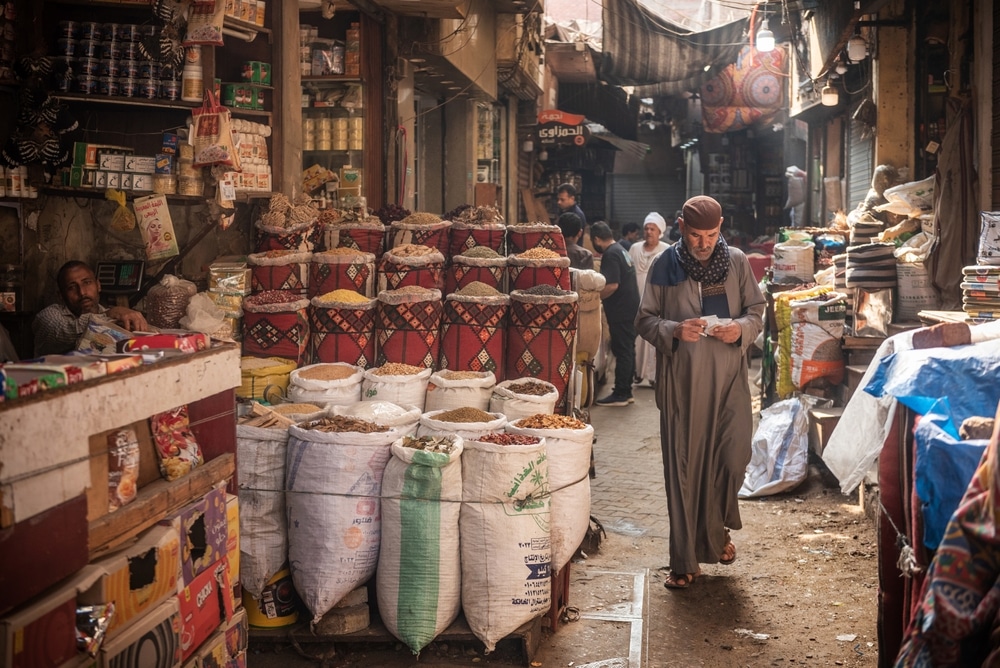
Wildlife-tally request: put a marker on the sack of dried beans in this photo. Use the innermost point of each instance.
(408, 326)
(326, 384)
(537, 266)
(421, 228)
(279, 270)
(568, 443)
(419, 575)
(524, 237)
(334, 492)
(411, 264)
(522, 397)
(455, 389)
(340, 229)
(477, 266)
(400, 384)
(541, 336)
(474, 333)
(504, 537)
(276, 323)
(342, 269)
(342, 328)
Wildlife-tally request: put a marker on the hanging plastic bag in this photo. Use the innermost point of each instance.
(167, 301)
(203, 315)
(212, 136)
(205, 23)
(122, 219)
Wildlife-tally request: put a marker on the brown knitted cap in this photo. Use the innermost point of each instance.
(702, 213)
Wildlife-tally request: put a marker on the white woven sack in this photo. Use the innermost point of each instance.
(260, 466)
(430, 426)
(325, 393)
(517, 406)
(504, 536)
(333, 484)
(445, 394)
(915, 291)
(569, 480)
(792, 261)
(419, 581)
(403, 418)
(405, 390)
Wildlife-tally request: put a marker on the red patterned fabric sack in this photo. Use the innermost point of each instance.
(408, 327)
(473, 334)
(398, 271)
(525, 273)
(541, 337)
(435, 235)
(298, 238)
(342, 332)
(535, 235)
(276, 324)
(366, 235)
(464, 270)
(467, 235)
(334, 270)
(279, 270)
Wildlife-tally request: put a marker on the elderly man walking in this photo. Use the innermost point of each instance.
(701, 310)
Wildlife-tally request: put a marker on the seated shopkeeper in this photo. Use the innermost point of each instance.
(58, 327)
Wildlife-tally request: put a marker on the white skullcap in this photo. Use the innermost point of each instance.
(657, 220)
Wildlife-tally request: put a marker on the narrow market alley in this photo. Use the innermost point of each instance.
(803, 590)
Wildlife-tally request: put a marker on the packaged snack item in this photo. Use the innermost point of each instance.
(123, 467)
(176, 446)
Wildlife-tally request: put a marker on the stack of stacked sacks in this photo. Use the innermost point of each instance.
(871, 273)
(981, 292)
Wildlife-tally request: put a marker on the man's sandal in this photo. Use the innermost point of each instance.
(679, 580)
(728, 555)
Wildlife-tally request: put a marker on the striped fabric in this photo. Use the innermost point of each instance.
(866, 231)
(871, 266)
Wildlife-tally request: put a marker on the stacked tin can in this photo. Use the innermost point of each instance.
(106, 59)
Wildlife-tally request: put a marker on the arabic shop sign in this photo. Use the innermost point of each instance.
(557, 128)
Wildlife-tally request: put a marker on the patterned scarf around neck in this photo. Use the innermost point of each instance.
(716, 270)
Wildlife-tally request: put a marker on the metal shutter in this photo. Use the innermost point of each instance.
(631, 196)
(859, 166)
(995, 195)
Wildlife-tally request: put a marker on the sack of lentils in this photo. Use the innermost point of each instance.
(408, 326)
(541, 337)
(346, 229)
(479, 264)
(537, 266)
(421, 228)
(400, 384)
(525, 236)
(523, 397)
(474, 330)
(467, 422)
(342, 326)
(411, 264)
(326, 384)
(279, 270)
(276, 324)
(342, 269)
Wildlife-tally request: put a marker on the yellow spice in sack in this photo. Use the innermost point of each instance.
(342, 295)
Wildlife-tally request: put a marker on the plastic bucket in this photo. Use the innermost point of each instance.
(278, 603)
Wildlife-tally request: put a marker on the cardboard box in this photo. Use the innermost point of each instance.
(153, 641)
(115, 180)
(140, 164)
(111, 162)
(86, 155)
(164, 163)
(84, 367)
(212, 654)
(142, 182)
(137, 578)
(149, 467)
(170, 143)
(238, 634)
(100, 179)
(188, 342)
(203, 533)
(204, 607)
(43, 633)
(127, 180)
(233, 547)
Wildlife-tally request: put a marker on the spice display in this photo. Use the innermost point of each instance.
(465, 414)
(538, 254)
(344, 296)
(278, 253)
(460, 375)
(478, 289)
(421, 218)
(412, 250)
(545, 421)
(481, 252)
(509, 439)
(330, 217)
(282, 212)
(396, 369)
(340, 423)
(547, 291)
(295, 409)
(530, 388)
(266, 417)
(413, 290)
(391, 213)
(478, 215)
(327, 372)
(341, 250)
(271, 297)
(444, 444)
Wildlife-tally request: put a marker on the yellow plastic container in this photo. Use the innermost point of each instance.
(259, 376)
(278, 604)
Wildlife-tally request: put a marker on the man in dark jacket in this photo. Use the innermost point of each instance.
(620, 298)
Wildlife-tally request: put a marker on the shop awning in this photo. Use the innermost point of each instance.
(636, 149)
(642, 48)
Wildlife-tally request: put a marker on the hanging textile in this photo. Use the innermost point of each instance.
(748, 92)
